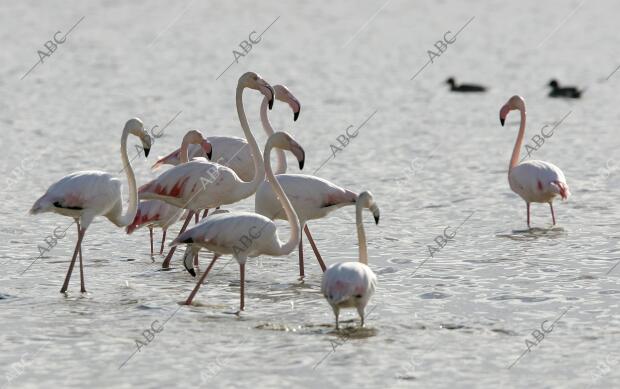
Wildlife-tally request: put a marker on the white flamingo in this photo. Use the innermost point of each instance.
(352, 284)
(201, 184)
(535, 181)
(244, 234)
(87, 194)
(155, 213)
(232, 151)
(312, 197)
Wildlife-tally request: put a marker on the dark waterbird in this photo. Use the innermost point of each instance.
(565, 91)
(464, 87)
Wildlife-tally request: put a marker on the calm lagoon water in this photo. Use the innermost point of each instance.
(433, 160)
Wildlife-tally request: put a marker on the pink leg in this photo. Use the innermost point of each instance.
(82, 287)
(166, 263)
(163, 240)
(314, 248)
(528, 215)
(196, 260)
(196, 218)
(65, 285)
(204, 214)
(301, 258)
(151, 234)
(242, 282)
(201, 280)
(552, 213)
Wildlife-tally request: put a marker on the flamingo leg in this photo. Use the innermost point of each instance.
(301, 258)
(528, 215)
(163, 240)
(196, 260)
(65, 285)
(242, 283)
(201, 280)
(314, 248)
(552, 213)
(82, 287)
(151, 235)
(204, 214)
(166, 263)
(196, 218)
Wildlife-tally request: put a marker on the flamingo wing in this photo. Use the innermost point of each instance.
(93, 191)
(538, 181)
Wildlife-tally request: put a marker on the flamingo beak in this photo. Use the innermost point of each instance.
(208, 149)
(295, 116)
(299, 153)
(188, 261)
(502, 120)
(268, 91)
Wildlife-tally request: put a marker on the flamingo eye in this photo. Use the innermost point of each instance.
(358, 296)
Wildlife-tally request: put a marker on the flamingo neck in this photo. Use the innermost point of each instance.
(184, 152)
(127, 218)
(264, 118)
(514, 161)
(246, 189)
(361, 235)
(291, 216)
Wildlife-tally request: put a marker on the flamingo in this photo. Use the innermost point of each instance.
(245, 234)
(312, 197)
(535, 181)
(202, 184)
(155, 213)
(85, 195)
(352, 284)
(232, 151)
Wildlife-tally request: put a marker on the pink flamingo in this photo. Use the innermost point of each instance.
(232, 151)
(352, 284)
(312, 197)
(201, 184)
(535, 181)
(244, 234)
(155, 213)
(87, 194)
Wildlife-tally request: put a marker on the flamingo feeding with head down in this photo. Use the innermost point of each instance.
(155, 213)
(535, 181)
(245, 234)
(232, 151)
(312, 197)
(87, 194)
(352, 284)
(201, 184)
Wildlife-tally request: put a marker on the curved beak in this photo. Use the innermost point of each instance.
(188, 260)
(146, 144)
(376, 218)
(268, 91)
(208, 149)
(502, 120)
(299, 153)
(376, 213)
(295, 106)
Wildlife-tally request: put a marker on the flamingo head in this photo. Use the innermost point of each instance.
(515, 102)
(254, 81)
(284, 141)
(196, 137)
(135, 127)
(284, 95)
(554, 84)
(450, 81)
(365, 200)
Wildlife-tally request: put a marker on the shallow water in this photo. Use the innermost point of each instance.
(432, 159)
